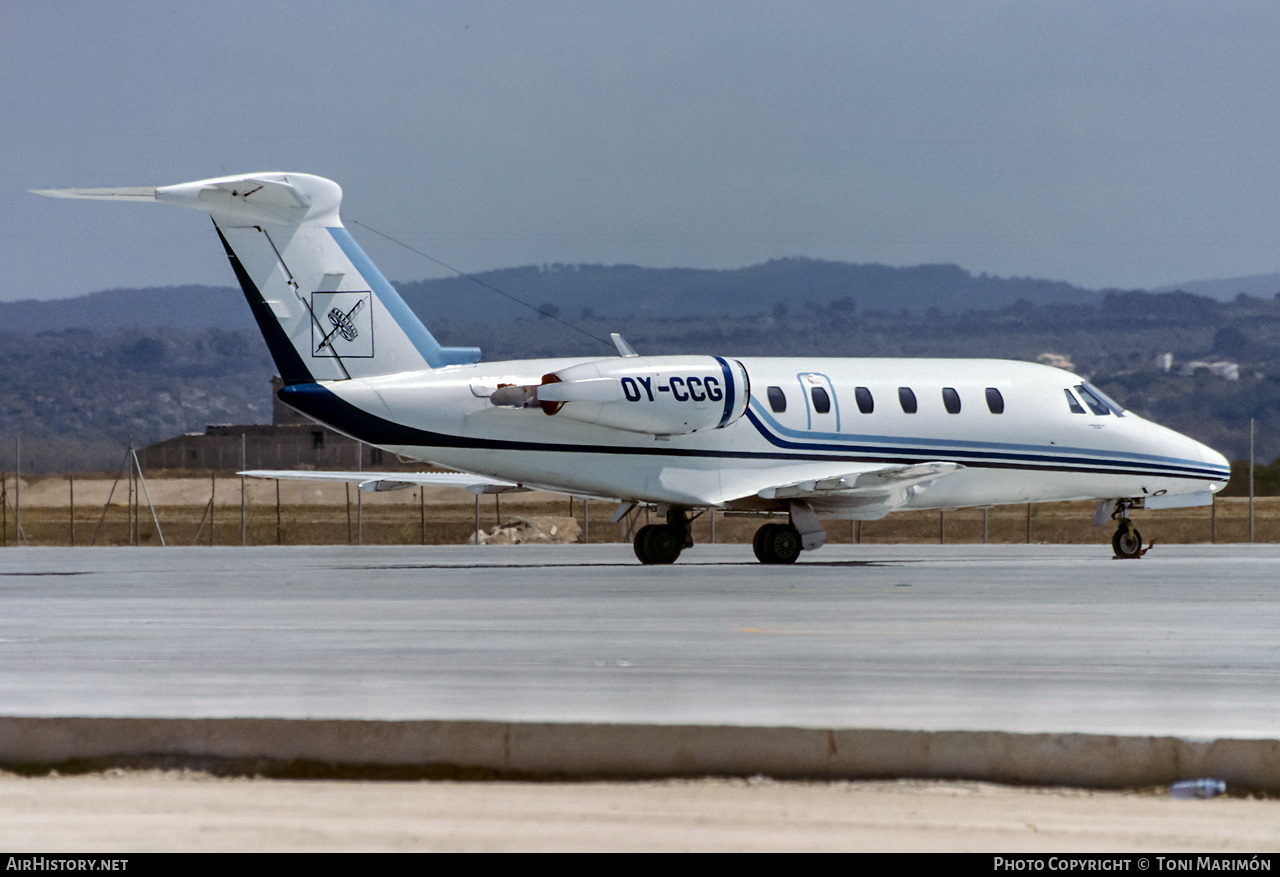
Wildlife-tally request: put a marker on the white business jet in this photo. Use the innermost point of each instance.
(852, 439)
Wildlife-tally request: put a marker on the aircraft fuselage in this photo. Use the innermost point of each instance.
(1036, 438)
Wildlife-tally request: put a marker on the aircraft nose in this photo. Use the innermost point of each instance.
(1210, 458)
(1182, 447)
(1214, 459)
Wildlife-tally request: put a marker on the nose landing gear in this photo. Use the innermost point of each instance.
(1127, 541)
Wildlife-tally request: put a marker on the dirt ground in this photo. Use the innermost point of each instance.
(122, 811)
(313, 513)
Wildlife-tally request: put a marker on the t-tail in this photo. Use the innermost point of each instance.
(325, 310)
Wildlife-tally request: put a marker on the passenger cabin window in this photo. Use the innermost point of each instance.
(1073, 404)
(777, 400)
(821, 401)
(995, 402)
(1096, 405)
(951, 400)
(907, 399)
(863, 397)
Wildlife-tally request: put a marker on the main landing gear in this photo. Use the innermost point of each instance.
(662, 543)
(777, 543)
(773, 543)
(782, 543)
(1127, 542)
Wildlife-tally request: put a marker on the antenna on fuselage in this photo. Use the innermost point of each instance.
(624, 349)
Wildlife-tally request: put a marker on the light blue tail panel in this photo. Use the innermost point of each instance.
(434, 355)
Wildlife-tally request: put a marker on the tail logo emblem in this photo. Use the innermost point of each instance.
(350, 329)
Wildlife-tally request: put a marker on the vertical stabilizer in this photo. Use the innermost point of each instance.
(325, 310)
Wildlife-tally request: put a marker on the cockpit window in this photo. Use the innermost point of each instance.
(907, 399)
(951, 400)
(1116, 408)
(821, 400)
(777, 400)
(995, 402)
(1075, 406)
(1096, 405)
(866, 404)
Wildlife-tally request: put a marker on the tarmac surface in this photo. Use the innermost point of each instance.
(1015, 638)
(1023, 664)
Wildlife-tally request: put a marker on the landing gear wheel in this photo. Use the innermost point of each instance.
(786, 544)
(665, 544)
(1127, 542)
(758, 542)
(659, 544)
(777, 543)
(642, 535)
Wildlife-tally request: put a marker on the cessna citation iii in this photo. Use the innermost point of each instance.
(852, 439)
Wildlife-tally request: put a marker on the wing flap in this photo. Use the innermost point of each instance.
(867, 483)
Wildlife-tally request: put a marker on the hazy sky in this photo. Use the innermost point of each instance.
(1104, 143)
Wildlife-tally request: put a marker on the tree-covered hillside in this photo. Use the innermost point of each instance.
(76, 396)
(578, 291)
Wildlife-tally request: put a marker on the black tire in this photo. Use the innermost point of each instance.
(786, 545)
(760, 542)
(642, 536)
(1127, 543)
(777, 543)
(664, 543)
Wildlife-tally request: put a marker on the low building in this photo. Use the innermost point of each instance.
(291, 441)
(1227, 370)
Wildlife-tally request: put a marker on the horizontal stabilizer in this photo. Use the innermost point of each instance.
(237, 201)
(127, 193)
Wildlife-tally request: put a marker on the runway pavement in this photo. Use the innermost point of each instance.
(1011, 639)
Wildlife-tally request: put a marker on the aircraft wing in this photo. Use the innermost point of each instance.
(373, 482)
(872, 492)
(869, 482)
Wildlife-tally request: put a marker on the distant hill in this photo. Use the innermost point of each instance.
(176, 307)
(1257, 285)
(791, 284)
(577, 291)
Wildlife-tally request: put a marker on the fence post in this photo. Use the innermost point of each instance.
(243, 517)
(1251, 479)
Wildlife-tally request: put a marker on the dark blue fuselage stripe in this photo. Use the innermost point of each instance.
(728, 393)
(789, 437)
(328, 408)
(1065, 462)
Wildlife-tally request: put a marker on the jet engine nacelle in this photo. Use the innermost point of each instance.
(658, 395)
